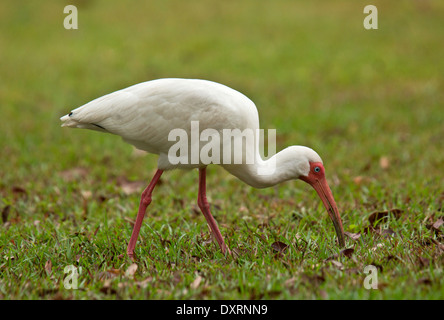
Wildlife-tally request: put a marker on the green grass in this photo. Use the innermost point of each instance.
(315, 74)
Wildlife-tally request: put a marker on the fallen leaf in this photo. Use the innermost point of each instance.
(130, 187)
(384, 163)
(290, 282)
(48, 266)
(131, 270)
(435, 227)
(144, 283)
(5, 213)
(195, 284)
(358, 180)
(108, 274)
(86, 194)
(381, 216)
(438, 223)
(243, 209)
(19, 192)
(353, 236)
(347, 252)
(426, 281)
(114, 271)
(279, 246)
(337, 264)
(73, 174)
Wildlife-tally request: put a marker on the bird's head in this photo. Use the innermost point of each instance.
(310, 168)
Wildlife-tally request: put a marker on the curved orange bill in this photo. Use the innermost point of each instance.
(324, 192)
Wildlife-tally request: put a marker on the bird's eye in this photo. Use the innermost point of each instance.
(317, 169)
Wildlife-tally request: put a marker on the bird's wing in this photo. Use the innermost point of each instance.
(145, 114)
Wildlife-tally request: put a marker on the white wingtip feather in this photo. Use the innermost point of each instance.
(69, 122)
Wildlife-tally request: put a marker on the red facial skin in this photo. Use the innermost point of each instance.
(316, 178)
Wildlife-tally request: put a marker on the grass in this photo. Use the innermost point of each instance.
(370, 102)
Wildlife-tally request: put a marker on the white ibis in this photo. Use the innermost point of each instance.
(146, 113)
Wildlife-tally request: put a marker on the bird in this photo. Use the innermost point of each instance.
(146, 114)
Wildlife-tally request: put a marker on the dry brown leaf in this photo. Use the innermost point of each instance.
(279, 246)
(337, 264)
(131, 271)
(19, 190)
(438, 224)
(348, 252)
(73, 174)
(109, 274)
(426, 281)
(5, 213)
(144, 283)
(195, 284)
(344, 252)
(48, 266)
(130, 187)
(435, 226)
(357, 180)
(86, 194)
(353, 236)
(384, 163)
(290, 282)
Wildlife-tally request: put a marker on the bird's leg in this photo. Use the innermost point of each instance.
(205, 208)
(145, 200)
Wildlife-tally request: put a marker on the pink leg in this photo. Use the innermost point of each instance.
(144, 203)
(205, 208)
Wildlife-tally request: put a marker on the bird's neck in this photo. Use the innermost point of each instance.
(265, 173)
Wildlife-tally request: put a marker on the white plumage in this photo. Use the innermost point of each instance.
(144, 115)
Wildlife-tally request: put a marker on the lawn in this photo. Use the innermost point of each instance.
(370, 102)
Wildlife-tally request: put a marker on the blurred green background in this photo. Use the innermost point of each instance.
(369, 101)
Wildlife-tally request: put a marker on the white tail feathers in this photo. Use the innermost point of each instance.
(69, 122)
